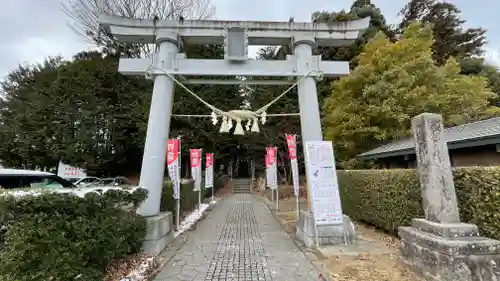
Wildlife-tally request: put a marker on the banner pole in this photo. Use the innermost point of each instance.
(179, 170)
(277, 199)
(316, 232)
(277, 183)
(199, 179)
(213, 172)
(297, 207)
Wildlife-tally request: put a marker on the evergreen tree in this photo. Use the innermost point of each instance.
(452, 39)
(394, 82)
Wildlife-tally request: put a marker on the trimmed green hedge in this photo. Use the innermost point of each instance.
(60, 237)
(189, 198)
(391, 198)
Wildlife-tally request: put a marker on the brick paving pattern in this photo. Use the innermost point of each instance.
(240, 240)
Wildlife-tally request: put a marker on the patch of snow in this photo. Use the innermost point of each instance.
(193, 217)
(80, 192)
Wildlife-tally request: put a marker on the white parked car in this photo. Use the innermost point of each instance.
(14, 178)
(116, 181)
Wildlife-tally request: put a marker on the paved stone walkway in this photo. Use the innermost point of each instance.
(240, 240)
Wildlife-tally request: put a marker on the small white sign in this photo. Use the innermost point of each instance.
(323, 183)
(66, 171)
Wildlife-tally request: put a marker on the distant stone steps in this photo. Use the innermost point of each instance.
(241, 185)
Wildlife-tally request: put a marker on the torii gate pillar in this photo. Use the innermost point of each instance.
(155, 147)
(310, 122)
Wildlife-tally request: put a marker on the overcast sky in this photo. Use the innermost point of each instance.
(30, 30)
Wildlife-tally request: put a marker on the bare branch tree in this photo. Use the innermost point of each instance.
(84, 14)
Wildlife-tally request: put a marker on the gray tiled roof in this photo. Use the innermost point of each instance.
(488, 128)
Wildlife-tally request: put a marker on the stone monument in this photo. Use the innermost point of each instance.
(169, 67)
(440, 247)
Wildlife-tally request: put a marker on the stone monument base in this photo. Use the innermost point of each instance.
(344, 233)
(159, 233)
(449, 252)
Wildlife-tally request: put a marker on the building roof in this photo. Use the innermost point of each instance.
(478, 133)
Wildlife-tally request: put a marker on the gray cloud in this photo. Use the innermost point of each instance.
(32, 30)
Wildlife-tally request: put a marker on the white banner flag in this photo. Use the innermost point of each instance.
(209, 170)
(271, 168)
(173, 165)
(292, 152)
(195, 157)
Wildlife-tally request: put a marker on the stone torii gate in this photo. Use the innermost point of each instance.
(170, 35)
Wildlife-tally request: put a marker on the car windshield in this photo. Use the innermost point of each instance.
(49, 181)
(106, 181)
(85, 181)
(88, 180)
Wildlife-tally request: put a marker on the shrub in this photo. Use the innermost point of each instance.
(220, 181)
(62, 237)
(287, 192)
(189, 198)
(391, 198)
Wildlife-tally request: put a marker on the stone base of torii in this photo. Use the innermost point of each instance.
(303, 67)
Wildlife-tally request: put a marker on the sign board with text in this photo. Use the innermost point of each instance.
(66, 171)
(323, 183)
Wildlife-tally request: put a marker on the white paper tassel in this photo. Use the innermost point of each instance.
(239, 129)
(224, 128)
(229, 124)
(255, 126)
(263, 118)
(214, 118)
(247, 126)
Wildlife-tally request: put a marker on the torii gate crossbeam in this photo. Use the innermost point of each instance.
(236, 36)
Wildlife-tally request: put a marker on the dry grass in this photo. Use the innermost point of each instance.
(365, 266)
(119, 269)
